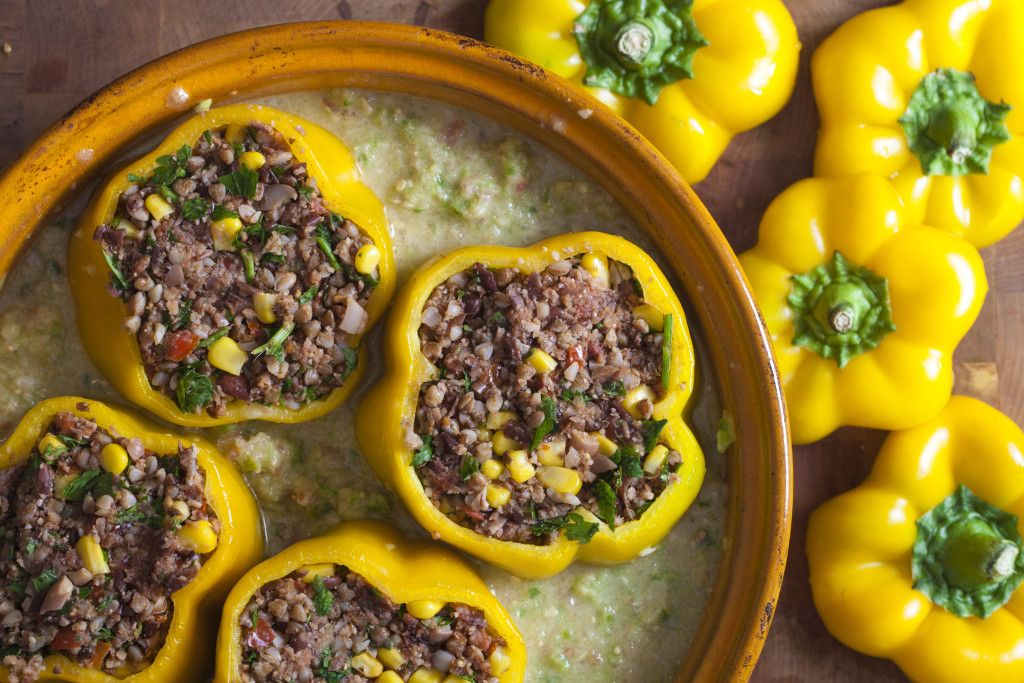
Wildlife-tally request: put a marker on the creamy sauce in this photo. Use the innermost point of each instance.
(448, 178)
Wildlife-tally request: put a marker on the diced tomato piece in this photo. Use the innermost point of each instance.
(258, 638)
(180, 344)
(66, 639)
(96, 658)
(471, 512)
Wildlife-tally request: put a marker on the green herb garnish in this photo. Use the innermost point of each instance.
(241, 183)
(194, 390)
(652, 429)
(470, 466)
(424, 452)
(221, 212)
(194, 209)
(605, 502)
(323, 599)
(219, 334)
(115, 268)
(308, 295)
(615, 388)
(547, 405)
(274, 345)
(81, 485)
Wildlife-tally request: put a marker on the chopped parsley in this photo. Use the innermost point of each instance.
(576, 528)
(274, 345)
(351, 362)
(46, 579)
(221, 212)
(323, 599)
(305, 191)
(323, 240)
(31, 546)
(652, 428)
(605, 502)
(424, 452)
(499, 319)
(184, 315)
(241, 183)
(214, 337)
(250, 266)
(547, 405)
(470, 466)
(466, 381)
(308, 295)
(105, 634)
(628, 461)
(195, 209)
(615, 388)
(115, 268)
(81, 485)
(569, 395)
(250, 657)
(136, 178)
(169, 168)
(194, 390)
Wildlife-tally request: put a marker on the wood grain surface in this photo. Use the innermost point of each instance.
(63, 50)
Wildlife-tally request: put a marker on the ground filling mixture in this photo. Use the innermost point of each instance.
(329, 625)
(240, 282)
(543, 401)
(97, 533)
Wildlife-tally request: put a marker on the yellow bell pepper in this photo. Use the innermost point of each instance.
(407, 573)
(689, 75)
(922, 562)
(187, 652)
(392, 404)
(865, 338)
(116, 352)
(921, 93)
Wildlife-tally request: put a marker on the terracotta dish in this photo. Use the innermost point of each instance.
(466, 73)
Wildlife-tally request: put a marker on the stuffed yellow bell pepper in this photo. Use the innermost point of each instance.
(922, 562)
(930, 94)
(532, 410)
(366, 575)
(689, 75)
(146, 534)
(231, 273)
(864, 305)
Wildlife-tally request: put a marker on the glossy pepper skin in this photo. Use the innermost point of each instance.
(116, 352)
(394, 399)
(187, 651)
(936, 286)
(865, 75)
(741, 78)
(401, 570)
(859, 546)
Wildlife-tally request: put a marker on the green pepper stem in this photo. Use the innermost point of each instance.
(974, 555)
(954, 125)
(842, 318)
(633, 43)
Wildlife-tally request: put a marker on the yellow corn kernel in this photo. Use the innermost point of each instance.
(315, 570)
(389, 677)
(223, 233)
(634, 397)
(501, 444)
(654, 318)
(158, 207)
(541, 361)
(91, 555)
(500, 661)
(598, 267)
(424, 609)
(225, 354)
(235, 133)
(50, 442)
(367, 664)
(60, 483)
(445, 507)
(114, 458)
(367, 258)
(392, 658)
(605, 446)
(425, 675)
(181, 508)
(483, 434)
(519, 467)
(263, 304)
(497, 495)
(198, 536)
(655, 459)
(561, 479)
(452, 678)
(252, 160)
(498, 419)
(550, 452)
(492, 468)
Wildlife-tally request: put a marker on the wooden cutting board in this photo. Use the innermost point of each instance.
(62, 51)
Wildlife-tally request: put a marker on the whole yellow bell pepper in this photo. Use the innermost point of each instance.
(404, 572)
(392, 404)
(187, 653)
(922, 562)
(921, 93)
(687, 74)
(864, 338)
(116, 352)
